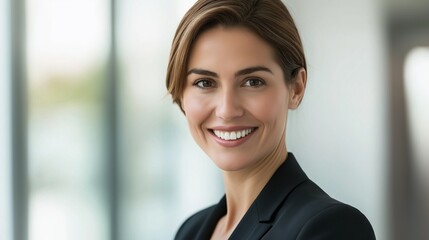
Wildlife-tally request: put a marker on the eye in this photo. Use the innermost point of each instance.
(254, 82)
(204, 83)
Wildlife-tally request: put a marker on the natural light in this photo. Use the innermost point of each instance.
(417, 102)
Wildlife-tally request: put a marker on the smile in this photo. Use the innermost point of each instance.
(233, 135)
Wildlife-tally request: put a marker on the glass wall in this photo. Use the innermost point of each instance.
(67, 48)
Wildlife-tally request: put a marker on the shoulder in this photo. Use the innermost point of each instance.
(308, 212)
(192, 225)
(337, 221)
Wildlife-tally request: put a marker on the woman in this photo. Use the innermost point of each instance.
(236, 68)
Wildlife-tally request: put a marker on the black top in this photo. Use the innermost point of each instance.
(290, 206)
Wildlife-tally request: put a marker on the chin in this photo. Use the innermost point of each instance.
(232, 162)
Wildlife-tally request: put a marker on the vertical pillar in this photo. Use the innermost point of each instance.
(112, 142)
(18, 120)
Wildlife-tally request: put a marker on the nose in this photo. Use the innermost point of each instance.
(229, 105)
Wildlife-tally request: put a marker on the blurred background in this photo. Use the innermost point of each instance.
(91, 146)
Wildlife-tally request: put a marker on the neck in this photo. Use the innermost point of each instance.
(242, 187)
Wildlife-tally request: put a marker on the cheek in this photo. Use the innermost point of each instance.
(195, 108)
(271, 108)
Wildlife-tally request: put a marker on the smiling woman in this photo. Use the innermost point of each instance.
(240, 79)
(236, 68)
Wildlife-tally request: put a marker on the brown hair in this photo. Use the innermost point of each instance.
(269, 19)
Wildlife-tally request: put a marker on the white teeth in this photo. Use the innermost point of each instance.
(226, 136)
(232, 135)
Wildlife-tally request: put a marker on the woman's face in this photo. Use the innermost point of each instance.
(235, 98)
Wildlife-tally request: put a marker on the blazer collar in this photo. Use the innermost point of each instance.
(258, 219)
(285, 179)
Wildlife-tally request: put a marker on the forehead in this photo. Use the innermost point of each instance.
(230, 48)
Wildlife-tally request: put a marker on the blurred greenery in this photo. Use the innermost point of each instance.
(62, 89)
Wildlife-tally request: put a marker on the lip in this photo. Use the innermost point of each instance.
(231, 143)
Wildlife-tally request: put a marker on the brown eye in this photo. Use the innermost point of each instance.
(204, 83)
(254, 82)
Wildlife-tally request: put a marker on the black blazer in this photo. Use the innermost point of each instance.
(290, 206)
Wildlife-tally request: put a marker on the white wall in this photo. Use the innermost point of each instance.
(339, 132)
(5, 155)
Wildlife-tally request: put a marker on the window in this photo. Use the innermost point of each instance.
(417, 103)
(417, 100)
(67, 48)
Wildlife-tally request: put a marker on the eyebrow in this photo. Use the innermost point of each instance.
(202, 72)
(241, 72)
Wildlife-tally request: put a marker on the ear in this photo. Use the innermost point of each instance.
(297, 89)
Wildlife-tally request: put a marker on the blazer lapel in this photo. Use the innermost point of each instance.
(250, 227)
(259, 218)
